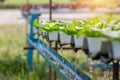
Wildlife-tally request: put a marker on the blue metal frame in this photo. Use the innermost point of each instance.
(31, 36)
(43, 49)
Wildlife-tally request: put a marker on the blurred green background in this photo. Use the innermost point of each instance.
(18, 3)
(13, 39)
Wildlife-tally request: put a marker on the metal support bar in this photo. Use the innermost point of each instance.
(56, 48)
(38, 57)
(29, 58)
(55, 75)
(31, 36)
(26, 48)
(50, 69)
(115, 70)
(50, 73)
(66, 48)
(50, 18)
(50, 9)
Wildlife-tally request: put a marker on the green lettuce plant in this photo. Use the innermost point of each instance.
(86, 27)
(93, 28)
(71, 28)
(49, 27)
(113, 33)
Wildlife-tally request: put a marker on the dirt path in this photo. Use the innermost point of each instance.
(10, 16)
(14, 16)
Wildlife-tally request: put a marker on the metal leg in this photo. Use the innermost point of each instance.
(29, 58)
(56, 48)
(50, 18)
(115, 70)
(50, 73)
(38, 57)
(55, 75)
(50, 9)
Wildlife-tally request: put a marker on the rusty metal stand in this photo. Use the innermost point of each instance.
(115, 70)
(38, 57)
(55, 75)
(56, 48)
(50, 9)
(50, 18)
(50, 69)
(50, 73)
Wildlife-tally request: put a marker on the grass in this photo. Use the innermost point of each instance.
(55, 1)
(13, 57)
(13, 4)
(19, 2)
